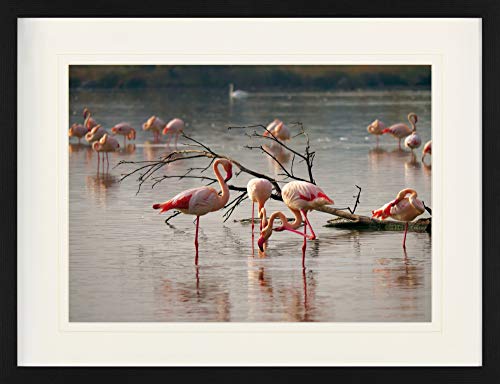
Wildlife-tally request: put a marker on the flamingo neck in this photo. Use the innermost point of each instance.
(285, 224)
(224, 197)
(402, 194)
(411, 119)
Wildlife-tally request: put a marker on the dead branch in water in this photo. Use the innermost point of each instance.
(147, 170)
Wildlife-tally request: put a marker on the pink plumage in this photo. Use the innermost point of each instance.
(259, 191)
(402, 208)
(202, 200)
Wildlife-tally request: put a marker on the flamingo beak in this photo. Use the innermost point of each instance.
(228, 175)
(260, 243)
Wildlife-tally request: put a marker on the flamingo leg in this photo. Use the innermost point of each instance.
(176, 139)
(253, 213)
(304, 244)
(404, 238)
(107, 161)
(98, 161)
(196, 239)
(377, 140)
(124, 141)
(399, 144)
(313, 235)
(169, 137)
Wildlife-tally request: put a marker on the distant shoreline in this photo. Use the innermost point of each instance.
(252, 78)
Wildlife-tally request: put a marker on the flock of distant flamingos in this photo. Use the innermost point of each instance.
(299, 196)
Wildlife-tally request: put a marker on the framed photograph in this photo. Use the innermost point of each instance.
(202, 192)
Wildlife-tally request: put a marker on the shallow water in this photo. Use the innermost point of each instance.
(126, 264)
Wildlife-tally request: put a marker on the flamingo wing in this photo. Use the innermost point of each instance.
(304, 195)
(195, 201)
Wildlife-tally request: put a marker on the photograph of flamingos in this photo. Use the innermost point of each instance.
(250, 193)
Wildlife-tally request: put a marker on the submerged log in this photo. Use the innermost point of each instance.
(365, 223)
(420, 225)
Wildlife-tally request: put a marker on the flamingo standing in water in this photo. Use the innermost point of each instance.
(106, 144)
(174, 128)
(400, 131)
(427, 149)
(413, 141)
(125, 130)
(155, 125)
(259, 191)
(88, 120)
(95, 134)
(376, 128)
(77, 130)
(202, 200)
(278, 129)
(402, 208)
(299, 197)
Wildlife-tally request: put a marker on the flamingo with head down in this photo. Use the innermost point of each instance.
(402, 208)
(155, 125)
(202, 200)
(125, 130)
(77, 130)
(299, 197)
(376, 128)
(259, 191)
(400, 131)
(106, 144)
(278, 129)
(174, 128)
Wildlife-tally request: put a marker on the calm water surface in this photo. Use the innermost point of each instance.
(126, 264)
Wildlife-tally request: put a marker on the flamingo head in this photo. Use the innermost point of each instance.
(86, 112)
(264, 236)
(165, 130)
(116, 130)
(413, 116)
(228, 167)
(131, 135)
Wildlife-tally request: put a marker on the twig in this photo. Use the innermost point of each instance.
(355, 203)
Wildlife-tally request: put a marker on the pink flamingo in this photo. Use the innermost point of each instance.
(95, 134)
(400, 131)
(89, 121)
(427, 149)
(299, 197)
(376, 128)
(106, 144)
(402, 208)
(154, 124)
(202, 200)
(174, 127)
(125, 130)
(278, 129)
(413, 141)
(259, 191)
(77, 130)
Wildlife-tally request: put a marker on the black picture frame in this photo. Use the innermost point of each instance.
(489, 11)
